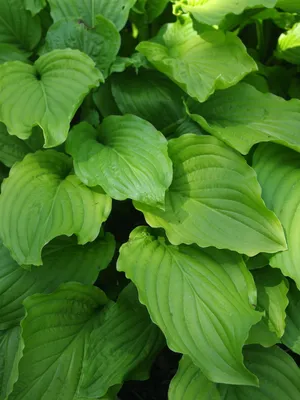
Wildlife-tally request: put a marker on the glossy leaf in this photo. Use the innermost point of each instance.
(64, 260)
(55, 87)
(79, 353)
(189, 383)
(199, 299)
(10, 355)
(272, 289)
(101, 44)
(215, 200)
(278, 374)
(41, 200)
(199, 64)
(242, 116)
(116, 11)
(212, 12)
(289, 45)
(278, 171)
(122, 157)
(146, 94)
(291, 337)
(17, 26)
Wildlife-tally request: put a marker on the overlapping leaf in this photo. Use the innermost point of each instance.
(101, 44)
(215, 200)
(272, 298)
(277, 372)
(242, 116)
(146, 94)
(289, 45)
(116, 11)
(200, 299)
(64, 260)
(123, 158)
(199, 64)
(52, 91)
(291, 337)
(17, 26)
(212, 12)
(81, 358)
(278, 171)
(9, 52)
(41, 200)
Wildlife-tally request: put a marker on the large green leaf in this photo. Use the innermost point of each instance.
(291, 337)
(272, 289)
(9, 52)
(116, 11)
(199, 64)
(289, 45)
(64, 260)
(75, 348)
(101, 44)
(10, 355)
(278, 171)
(278, 374)
(123, 158)
(242, 116)
(189, 383)
(41, 200)
(17, 26)
(52, 90)
(146, 94)
(212, 12)
(215, 200)
(199, 298)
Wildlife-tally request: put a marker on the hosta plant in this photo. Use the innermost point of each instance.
(150, 199)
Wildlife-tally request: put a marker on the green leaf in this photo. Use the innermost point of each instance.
(17, 26)
(292, 6)
(69, 346)
(122, 157)
(101, 44)
(10, 355)
(277, 372)
(110, 360)
(12, 149)
(279, 376)
(272, 289)
(35, 6)
(199, 64)
(256, 262)
(105, 101)
(9, 52)
(64, 260)
(278, 171)
(199, 299)
(54, 88)
(116, 11)
(189, 383)
(242, 116)
(147, 93)
(41, 200)
(289, 45)
(291, 337)
(215, 200)
(212, 12)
